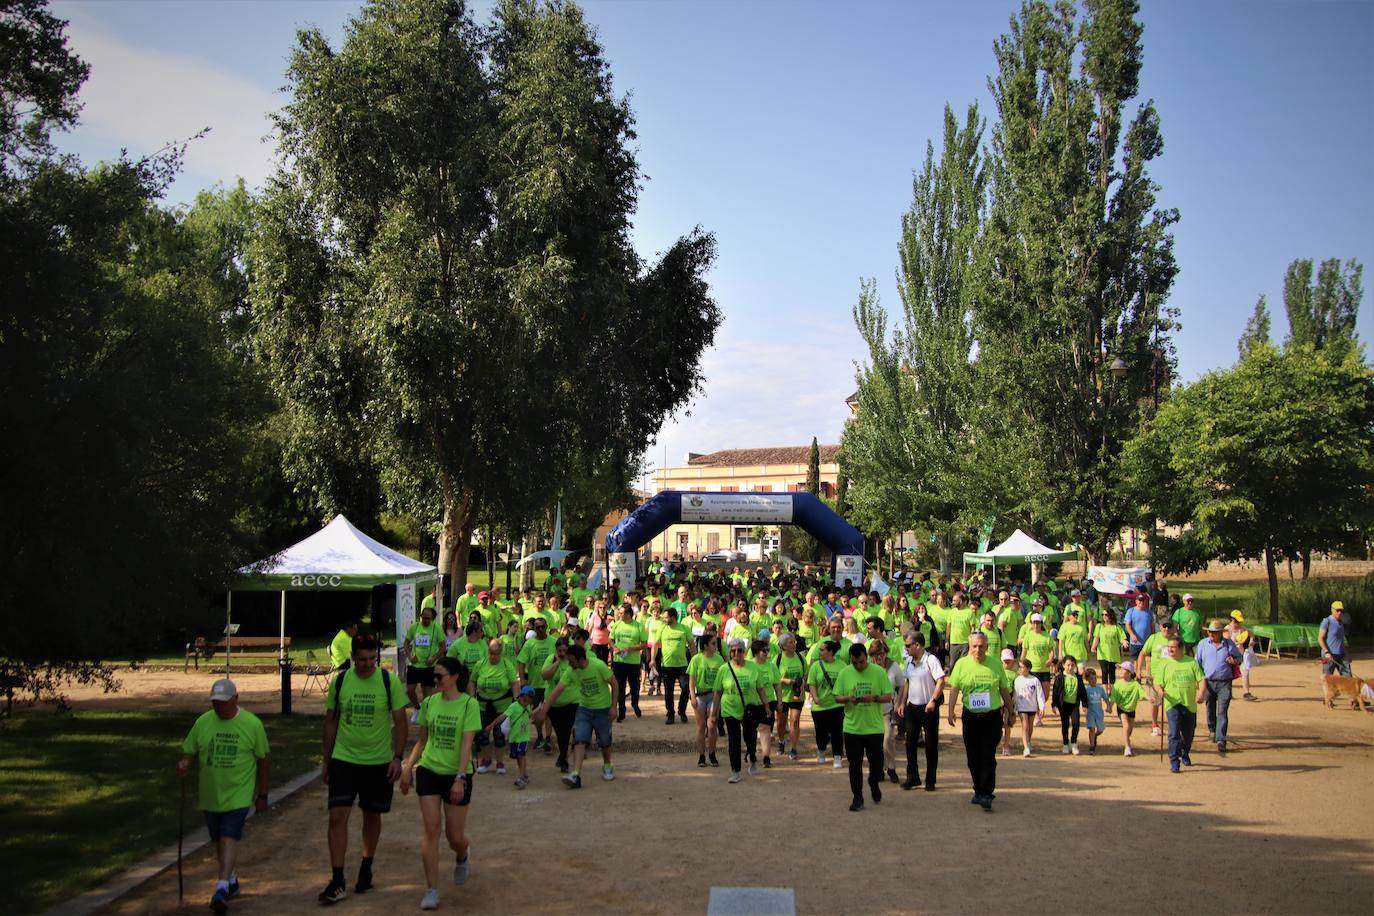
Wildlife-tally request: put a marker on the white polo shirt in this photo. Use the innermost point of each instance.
(921, 677)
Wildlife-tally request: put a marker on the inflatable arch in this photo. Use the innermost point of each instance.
(672, 507)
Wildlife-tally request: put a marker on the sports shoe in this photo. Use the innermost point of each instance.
(521, 782)
(820, 757)
(364, 882)
(333, 892)
(638, 714)
(767, 762)
(976, 799)
(1128, 752)
(463, 867)
(891, 775)
(1187, 761)
(1074, 748)
(233, 888)
(572, 781)
(484, 768)
(838, 764)
(908, 785)
(430, 901)
(1065, 750)
(608, 773)
(792, 754)
(782, 748)
(220, 901)
(1025, 750)
(1221, 748)
(986, 802)
(701, 760)
(500, 769)
(876, 791)
(734, 776)
(562, 766)
(1154, 731)
(711, 759)
(670, 719)
(1173, 766)
(856, 805)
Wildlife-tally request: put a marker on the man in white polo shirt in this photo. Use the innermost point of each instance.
(919, 701)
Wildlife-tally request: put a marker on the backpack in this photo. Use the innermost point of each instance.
(386, 685)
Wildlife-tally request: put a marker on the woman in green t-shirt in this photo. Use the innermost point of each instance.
(702, 672)
(792, 695)
(769, 680)
(737, 689)
(1108, 642)
(440, 767)
(493, 679)
(826, 716)
(563, 713)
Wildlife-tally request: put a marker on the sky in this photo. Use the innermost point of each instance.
(792, 132)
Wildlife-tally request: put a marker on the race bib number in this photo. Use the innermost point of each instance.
(422, 639)
(980, 700)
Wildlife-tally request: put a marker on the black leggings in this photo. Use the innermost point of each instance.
(1068, 715)
(562, 718)
(674, 679)
(750, 730)
(855, 746)
(625, 672)
(829, 729)
(1108, 673)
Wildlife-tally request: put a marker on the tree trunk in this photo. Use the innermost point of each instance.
(527, 571)
(1271, 569)
(1306, 563)
(944, 553)
(451, 537)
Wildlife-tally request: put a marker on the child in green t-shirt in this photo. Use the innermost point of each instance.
(517, 715)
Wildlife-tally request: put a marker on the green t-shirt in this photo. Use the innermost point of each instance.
(445, 723)
(793, 668)
(627, 633)
(1189, 625)
(1109, 637)
(364, 735)
(427, 643)
(863, 718)
(227, 752)
(994, 636)
(823, 676)
(519, 718)
(341, 649)
(980, 684)
(465, 606)
(704, 669)
(1038, 647)
(1178, 680)
(672, 641)
(738, 686)
(1126, 695)
(566, 698)
(534, 655)
(769, 679)
(491, 620)
(961, 621)
(1075, 639)
(468, 652)
(590, 685)
(1069, 690)
(494, 680)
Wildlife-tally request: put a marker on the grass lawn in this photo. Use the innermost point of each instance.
(88, 794)
(1216, 599)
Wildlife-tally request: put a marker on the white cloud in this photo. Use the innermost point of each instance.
(143, 99)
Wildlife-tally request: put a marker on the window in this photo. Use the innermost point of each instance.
(729, 489)
(712, 541)
(827, 489)
(698, 489)
(794, 487)
(762, 488)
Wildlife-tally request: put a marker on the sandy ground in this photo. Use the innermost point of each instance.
(1280, 825)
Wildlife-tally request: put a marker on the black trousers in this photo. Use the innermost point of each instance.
(855, 747)
(562, 718)
(829, 729)
(982, 732)
(675, 679)
(735, 729)
(1068, 716)
(919, 722)
(627, 675)
(1108, 673)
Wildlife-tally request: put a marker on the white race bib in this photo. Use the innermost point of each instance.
(980, 700)
(422, 639)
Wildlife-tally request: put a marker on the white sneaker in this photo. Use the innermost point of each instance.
(1074, 748)
(1154, 731)
(500, 769)
(753, 769)
(820, 757)
(734, 776)
(1025, 750)
(1065, 750)
(839, 763)
(484, 768)
(463, 868)
(1128, 752)
(608, 773)
(430, 901)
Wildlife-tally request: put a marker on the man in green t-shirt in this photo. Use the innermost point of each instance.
(1179, 686)
(467, 603)
(862, 689)
(229, 746)
(673, 640)
(1189, 621)
(423, 644)
(364, 736)
(979, 681)
(530, 663)
(591, 681)
(341, 648)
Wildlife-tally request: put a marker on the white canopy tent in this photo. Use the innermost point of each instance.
(1018, 549)
(338, 557)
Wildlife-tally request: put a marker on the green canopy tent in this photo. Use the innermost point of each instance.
(1018, 549)
(338, 557)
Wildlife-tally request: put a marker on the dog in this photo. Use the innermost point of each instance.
(1333, 685)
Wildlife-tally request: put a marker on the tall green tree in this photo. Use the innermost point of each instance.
(1256, 333)
(1077, 260)
(1322, 314)
(813, 468)
(1261, 460)
(444, 285)
(908, 447)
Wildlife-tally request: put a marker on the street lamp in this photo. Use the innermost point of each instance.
(1118, 368)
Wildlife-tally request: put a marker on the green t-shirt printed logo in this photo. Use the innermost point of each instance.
(361, 710)
(224, 750)
(1070, 688)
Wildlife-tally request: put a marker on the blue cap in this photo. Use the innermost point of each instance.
(527, 691)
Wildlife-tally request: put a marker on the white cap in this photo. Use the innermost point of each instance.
(1008, 655)
(1187, 597)
(1037, 618)
(223, 689)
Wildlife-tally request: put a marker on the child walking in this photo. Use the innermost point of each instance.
(1068, 696)
(1030, 704)
(1094, 695)
(518, 715)
(1126, 696)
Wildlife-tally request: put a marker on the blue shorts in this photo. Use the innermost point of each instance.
(592, 720)
(519, 749)
(227, 824)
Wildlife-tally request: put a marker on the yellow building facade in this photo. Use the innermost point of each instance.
(738, 470)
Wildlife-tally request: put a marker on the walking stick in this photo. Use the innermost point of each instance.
(181, 833)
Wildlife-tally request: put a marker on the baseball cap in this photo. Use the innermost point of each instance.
(1008, 655)
(223, 689)
(1238, 617)
(1016, 598)
(1075, 592)
(1187, 597)
(1127, 666)
(1037, 618)
(1338, 605)
(527, 691)
(484, 594)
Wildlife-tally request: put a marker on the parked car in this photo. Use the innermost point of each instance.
(724, 555)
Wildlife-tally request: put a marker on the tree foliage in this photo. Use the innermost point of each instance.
(1322, 314)
(1264, 460)
(1256, 333)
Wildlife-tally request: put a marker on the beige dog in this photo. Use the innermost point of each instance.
(1333, 685)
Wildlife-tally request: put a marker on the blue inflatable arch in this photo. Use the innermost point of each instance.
(806, 511)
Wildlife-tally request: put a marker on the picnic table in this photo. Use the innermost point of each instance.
(1279, 637)
(238, 647)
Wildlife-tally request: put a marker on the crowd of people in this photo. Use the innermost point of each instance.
(491, 681)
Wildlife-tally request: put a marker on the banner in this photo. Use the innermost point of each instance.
(1112, 581)
(849, 570)
(623, 568)
(737, 508)
(405, 616)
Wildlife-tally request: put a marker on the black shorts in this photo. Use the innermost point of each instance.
(491, 711)
(365, 782)
(538, 696)
(794, 704)
(422, 676)
(1043, 677)
(430, 783)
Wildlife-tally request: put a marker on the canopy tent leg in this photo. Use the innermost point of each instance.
(281, 645)
(228, 627)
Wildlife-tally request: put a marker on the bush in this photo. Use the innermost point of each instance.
(1310, 602)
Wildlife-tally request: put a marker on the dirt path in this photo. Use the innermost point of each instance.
(1281, 825)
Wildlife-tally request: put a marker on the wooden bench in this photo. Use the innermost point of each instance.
(237, 647)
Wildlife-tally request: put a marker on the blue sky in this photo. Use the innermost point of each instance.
(791, 130)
